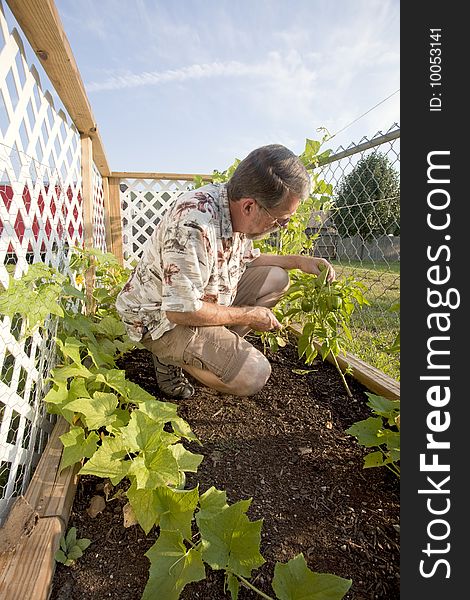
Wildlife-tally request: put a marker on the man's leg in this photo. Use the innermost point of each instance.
(215, 356)
(260, 286)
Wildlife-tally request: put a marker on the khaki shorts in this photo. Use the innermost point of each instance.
(216, 349)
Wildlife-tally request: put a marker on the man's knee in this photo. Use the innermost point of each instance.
(277, 281)
(253, 375)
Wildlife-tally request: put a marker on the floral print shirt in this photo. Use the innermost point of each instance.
(193, 256)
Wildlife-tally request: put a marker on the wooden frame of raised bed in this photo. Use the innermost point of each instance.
(36, 522)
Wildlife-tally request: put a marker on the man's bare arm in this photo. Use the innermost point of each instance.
(258, 318)
(307, 264)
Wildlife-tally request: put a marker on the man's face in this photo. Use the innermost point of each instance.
(265, 221)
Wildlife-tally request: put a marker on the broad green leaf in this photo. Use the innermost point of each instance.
(382, 406)
(160, 412)
(137, 394)
(176, 509)
(45, 303)
(374, 459)
(367, 431)
(390, 438)
(172, 567)
(122, 420)
(98, 356)
(115, 379)
(124, 347)
(77, 447)
(78, 389)
(302, 344)
(110, 327)
(160, 468)
(107, 346)
(108, 461)
(144, 505)
(325, 349)
(212, 502)
(295, 581)
(187, 461)
(58, 394)
(143, 433)
(164, 468)
(182, 428)
(81, 324)
(57, 409)
(70, 290)
(98, 411)
(71, 349)
(230, 540)
(140, 473)
(67, 371)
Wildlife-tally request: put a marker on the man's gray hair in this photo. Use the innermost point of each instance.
(269, 175)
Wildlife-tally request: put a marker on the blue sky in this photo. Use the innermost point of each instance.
(186, 86)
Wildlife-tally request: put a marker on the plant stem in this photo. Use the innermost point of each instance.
(342, 376)
(394, 470)
(249, 585)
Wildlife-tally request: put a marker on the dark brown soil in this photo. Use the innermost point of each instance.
(286, 448)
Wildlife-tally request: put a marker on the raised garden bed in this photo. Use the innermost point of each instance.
(286, 448)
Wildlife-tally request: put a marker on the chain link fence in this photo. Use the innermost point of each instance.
(360, 235)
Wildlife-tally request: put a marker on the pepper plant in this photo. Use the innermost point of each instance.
(324, 311)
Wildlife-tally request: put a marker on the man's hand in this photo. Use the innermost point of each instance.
(260, 318)
(314, 265)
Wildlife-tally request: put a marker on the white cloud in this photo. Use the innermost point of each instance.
(276, 71)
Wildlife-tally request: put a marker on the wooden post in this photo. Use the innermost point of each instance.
(87, 190)
(87, 208)
(115, 219)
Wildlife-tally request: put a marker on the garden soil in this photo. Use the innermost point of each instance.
(286, 448)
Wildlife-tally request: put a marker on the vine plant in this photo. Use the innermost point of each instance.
(119, 431)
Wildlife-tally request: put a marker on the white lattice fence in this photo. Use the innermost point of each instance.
(41, 219)
(99, 227)
(143, 202)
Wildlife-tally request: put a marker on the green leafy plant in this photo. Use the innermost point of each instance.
(71, 548)
(35, 296)
(381, 431)
(324, 310)
(223, 538)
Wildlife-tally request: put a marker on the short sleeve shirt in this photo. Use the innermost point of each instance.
(193, 256)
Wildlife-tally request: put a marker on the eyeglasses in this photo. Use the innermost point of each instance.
(279, 222)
